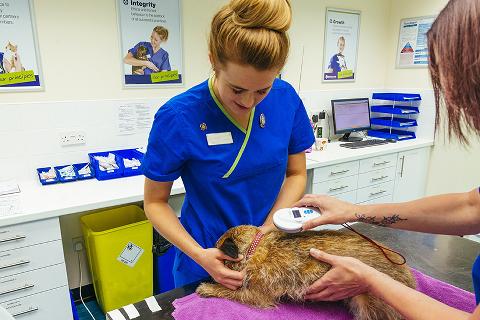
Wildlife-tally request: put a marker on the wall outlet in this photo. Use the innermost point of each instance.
(72, 138)
(78, 244)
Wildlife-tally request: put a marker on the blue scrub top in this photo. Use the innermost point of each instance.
(476, 276)
(335, 63)
(160, 58)
(2, 70)
(178, 147)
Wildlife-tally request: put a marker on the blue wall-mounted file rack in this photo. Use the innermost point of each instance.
(397, 114)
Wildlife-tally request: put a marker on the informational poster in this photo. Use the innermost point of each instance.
(412, 49)
(133, 118)
(19, 57)
(151, 42)
(342, 29)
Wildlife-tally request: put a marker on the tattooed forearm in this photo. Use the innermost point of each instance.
(384, 222)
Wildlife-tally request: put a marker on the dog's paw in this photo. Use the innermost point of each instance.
(207, 290)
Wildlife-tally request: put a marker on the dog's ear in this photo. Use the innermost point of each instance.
(229, 248)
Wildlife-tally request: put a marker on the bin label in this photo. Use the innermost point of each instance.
(130, 254)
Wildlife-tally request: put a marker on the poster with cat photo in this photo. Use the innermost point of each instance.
(151, 43)
(19, 56)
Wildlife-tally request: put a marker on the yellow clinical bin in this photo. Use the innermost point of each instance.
(119, 250)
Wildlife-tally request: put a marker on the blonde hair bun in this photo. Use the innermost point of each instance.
(275, 15)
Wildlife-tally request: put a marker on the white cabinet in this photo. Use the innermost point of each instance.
(383, 178)
(33, 277)
(411, 175)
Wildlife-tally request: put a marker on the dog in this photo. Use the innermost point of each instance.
(141, 54)
(281, 268)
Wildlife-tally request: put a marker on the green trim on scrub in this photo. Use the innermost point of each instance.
(244, 144)
(219, 105)
(247, 132)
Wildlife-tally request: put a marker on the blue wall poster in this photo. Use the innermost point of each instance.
(342, 29)
(412, 51)
(151, 42)
(19, 56)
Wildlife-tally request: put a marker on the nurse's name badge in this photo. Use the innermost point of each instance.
(262, 120)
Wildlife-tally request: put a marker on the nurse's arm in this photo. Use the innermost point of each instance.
(293, 187)
(164, 219)
(6, 65)
(131, 60)
(166, 222)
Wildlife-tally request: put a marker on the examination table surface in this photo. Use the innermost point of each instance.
(446, 258)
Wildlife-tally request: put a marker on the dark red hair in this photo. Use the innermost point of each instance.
(454, 49)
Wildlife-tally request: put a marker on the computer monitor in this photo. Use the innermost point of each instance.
(350, 115)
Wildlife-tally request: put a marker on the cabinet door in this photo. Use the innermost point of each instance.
(411, 175)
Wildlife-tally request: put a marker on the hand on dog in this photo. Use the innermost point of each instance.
(333, 211)
(348, 277)
(212, 261)
(149, 64)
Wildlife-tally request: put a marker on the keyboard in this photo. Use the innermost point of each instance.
(363, 143)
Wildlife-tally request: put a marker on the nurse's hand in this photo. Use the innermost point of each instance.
(348, 277)
(149, 64)
(333, 211)
(212, 261)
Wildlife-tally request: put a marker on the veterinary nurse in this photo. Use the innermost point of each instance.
(237, 141)
(455, 74)
(157, 57)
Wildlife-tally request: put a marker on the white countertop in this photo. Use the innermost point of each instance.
(335, 154)
(41, 202)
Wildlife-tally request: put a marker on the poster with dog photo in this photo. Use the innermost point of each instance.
(19, 57)
(151, 42)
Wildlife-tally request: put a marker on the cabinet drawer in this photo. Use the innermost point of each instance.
(375, 177)
(379, 162)
(30, 258)
(27, 234)
(377, 191)
(36, 281)
(348, 196)
(385, 199)
(49, 305)
(337, 186)
(335, 171)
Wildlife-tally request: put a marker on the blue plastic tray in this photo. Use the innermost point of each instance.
(130, 154)
(394, 122)
(80, 166)
(106, 174)
(395, 96)
(47, 181)
(390, 109)
(65, 178)
(391, 134)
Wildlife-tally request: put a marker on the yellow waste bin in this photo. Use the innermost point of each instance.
(119, 249)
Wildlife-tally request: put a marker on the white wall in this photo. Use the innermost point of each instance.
(453, 168)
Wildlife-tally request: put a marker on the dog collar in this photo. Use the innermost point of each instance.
(254, 244)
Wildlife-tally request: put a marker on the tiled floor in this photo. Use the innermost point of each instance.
(94, 309)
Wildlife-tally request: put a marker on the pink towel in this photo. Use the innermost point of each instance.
(193, 307)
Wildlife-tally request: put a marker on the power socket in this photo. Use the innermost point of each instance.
(71, 138)
(77, 244)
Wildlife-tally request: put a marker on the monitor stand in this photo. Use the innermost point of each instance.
(346, 138)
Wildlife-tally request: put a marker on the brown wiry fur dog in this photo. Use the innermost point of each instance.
(282, 268)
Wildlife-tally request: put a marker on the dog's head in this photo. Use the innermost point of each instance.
(141, 53)
(236, 241)
(11, 47)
